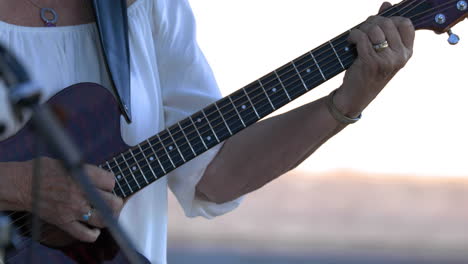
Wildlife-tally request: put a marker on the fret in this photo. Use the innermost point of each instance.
(230, 114)
(202, 140)
(156, 156)
(139, 167)
(176, 146)
(245, 109)
(193, 135)
(345, 51)
(318, 66)
(209, 124)
(116, 180)
(337, 56)
(171, 150)
(131, 170)
(148, 154)
(186, 138)
(149, 164)
(206, 131)
(259, 98)
(284, 86)
(253, 106)
(123, 176)
(275, 92)
(299, 74)
(328, 61)
(182, 142)
(224, 120)
(165, 150)
(237, 112)
(309, 71)
(269, 100)
(216, 122)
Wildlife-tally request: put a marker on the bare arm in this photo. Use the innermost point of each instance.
(9, 194)
(274, 146)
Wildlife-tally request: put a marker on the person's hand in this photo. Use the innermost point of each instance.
(62, 202)
(373, 69)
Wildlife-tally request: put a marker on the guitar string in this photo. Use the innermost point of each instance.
(237, 100)
(179, 160)
(146, 171)
(189, 137)
(139, 177)
(263, 100)
(42, 231)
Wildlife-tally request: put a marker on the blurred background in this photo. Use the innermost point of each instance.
(393, 188)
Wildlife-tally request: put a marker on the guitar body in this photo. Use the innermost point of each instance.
(91, 117)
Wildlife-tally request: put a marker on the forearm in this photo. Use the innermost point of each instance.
(9, 194)
(267, 150)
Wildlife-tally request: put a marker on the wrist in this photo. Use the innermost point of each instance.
(12, 179)
(349, 103)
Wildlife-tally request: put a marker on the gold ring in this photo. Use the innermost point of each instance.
(381, 46)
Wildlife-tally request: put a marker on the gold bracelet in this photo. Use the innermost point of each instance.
(340, 117)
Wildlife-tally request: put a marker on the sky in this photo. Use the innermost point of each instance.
(417, 125)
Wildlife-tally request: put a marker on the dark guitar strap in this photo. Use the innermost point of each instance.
(112, 22)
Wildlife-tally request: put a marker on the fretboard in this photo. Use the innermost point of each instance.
(156, 157)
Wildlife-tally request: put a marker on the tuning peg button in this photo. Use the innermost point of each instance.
(453, 38)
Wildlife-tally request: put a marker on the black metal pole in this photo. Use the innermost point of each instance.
(5, 235)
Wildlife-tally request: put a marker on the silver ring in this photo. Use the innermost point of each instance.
(88, 215)
(381, 46)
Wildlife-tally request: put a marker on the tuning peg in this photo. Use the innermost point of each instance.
(453, 38)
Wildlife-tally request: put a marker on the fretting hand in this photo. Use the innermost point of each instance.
(384, 46)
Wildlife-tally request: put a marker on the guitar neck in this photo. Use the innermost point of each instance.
(189, 138)
(156, 157)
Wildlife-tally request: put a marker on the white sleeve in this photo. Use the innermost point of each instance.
(188, 85)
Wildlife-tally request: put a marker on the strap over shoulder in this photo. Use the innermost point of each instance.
(112, 22)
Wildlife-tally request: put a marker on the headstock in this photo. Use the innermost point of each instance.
(436, 15)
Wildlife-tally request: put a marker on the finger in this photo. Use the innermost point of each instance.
(102, 179)
(362, 42)
(407, 32)
(374, 33)
(115, 204)
(390, 30)
(82, 232)
(384, 6)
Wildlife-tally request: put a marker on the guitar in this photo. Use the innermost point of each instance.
(138, 166)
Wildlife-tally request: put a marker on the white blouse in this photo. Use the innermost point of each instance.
(170, 79)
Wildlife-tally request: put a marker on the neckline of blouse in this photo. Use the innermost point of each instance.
(71, 28)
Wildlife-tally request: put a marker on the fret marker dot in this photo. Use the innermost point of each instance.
(199, 120)
(274, 89)
(134, 168)
(308, 70)
(346, 49)
(171, 148)
(151, 158)
(119, 177)
(244, 107)
(208, 138)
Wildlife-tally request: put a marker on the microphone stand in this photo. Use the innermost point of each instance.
(5, 235)
(25, 96)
